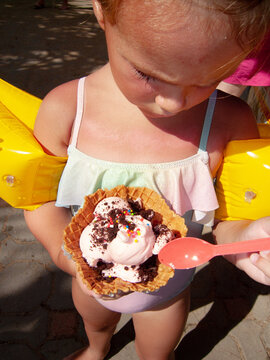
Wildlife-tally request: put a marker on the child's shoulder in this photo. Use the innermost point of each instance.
(55, 118)
(233, 120)
(235, 117)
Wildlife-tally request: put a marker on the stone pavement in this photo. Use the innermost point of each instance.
(230, 314)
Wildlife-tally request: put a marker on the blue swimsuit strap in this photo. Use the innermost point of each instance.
(208, 121)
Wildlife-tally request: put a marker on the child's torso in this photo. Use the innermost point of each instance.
(186, 184)
(110, 132)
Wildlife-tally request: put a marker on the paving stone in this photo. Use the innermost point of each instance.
(27, 285)
(16, 227)
(265, 338)
(123, 321)
(4, 214)
(261, 308)
(3, 203)
(246, 334)
(123, 339)
(127, 353)
(206, 329)
(58, 349)
(61, 290)
(198, 314)
(12, 250)
(81, 335)
(17, 351)
(227, 349)
(62, 324)
(29, 328)
(3, 237)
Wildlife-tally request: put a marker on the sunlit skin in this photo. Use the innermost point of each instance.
(164, 69)
(155, 86)
(147, 105)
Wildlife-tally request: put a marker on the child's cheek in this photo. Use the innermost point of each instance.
(141, 91)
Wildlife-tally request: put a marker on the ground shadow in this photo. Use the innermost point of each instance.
(39, 321)
(123, 337)
(41, 49)
(232, 294)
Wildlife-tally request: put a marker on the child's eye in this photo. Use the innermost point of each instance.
(143, 76)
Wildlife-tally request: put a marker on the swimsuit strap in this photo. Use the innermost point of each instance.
(80, 106)
(208, 121)
(79, 112)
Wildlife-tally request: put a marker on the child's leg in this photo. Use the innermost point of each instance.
(158, 331)
(99, 324)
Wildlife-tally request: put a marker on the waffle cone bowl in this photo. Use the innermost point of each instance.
(90, 276)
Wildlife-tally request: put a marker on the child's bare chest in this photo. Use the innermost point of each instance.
(129, 142)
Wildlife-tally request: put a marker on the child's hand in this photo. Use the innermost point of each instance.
(256, 265)
(262, 261)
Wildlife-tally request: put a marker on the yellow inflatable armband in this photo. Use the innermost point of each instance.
(21, 104)
(244, 178)
(264, 130)
(28, 176)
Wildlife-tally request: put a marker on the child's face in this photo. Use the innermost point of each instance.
(171, 63)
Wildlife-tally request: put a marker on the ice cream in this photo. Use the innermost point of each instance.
(108, 241)
(121, 238)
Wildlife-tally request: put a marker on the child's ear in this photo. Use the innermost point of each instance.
(98, 13)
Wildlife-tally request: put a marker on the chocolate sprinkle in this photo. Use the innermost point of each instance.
(135, 205)
(106, 230)
(147, 214)
(148, 270)
(160, 229)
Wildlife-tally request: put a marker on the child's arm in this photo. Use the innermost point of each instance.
(257, 266)
(52, 129)
(47, 223)
(242, 125)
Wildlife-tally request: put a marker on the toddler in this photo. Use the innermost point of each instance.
(152, 117)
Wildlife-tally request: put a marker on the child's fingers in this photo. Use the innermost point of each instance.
(262, 261)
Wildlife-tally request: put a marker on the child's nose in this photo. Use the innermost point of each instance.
(172, 103)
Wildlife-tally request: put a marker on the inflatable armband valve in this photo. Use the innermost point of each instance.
(28, 176)
(242, 183)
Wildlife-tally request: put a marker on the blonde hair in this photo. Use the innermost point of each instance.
(250, 19)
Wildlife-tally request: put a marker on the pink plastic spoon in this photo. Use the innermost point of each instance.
(189, 252)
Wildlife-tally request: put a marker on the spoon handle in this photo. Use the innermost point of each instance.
(242, 247)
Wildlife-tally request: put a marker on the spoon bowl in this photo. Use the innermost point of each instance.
(189, 252)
